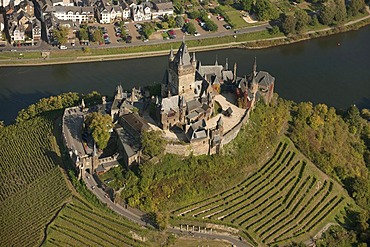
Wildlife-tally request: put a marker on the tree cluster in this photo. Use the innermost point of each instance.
(100, 126)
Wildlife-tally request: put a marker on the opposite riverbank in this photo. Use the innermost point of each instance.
(255, 40)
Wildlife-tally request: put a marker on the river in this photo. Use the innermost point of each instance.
(334, 70)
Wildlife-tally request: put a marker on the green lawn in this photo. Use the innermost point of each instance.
(235, 17)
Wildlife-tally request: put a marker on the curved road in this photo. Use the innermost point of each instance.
(139, 219)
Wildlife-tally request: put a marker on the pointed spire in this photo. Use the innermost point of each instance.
(216, 63)
(83, 104)
(227, 64)
(169, 93)
(193, 58)
(234, 72)
(255, 66)
(180, 60)
(171, 54)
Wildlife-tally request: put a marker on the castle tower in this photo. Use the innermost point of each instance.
(182, 107)
(227, 64)
(119, 92)
(181, 72)
(254, 84)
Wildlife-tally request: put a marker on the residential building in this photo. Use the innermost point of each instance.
(74, 13)
(161, 8)
(141, 12)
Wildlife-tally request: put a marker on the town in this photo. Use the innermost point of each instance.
(200, 109)
(66, 23)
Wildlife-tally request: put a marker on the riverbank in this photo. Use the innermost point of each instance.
(255, 40)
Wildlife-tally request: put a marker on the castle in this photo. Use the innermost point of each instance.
(188, 95)
(192, 102)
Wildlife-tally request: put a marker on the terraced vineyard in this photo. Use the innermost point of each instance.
(32, 188)
(79, 224)
(287, 199)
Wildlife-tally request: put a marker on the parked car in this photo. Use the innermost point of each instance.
(196, 34)
(128, 39)
(63, 47)
(228, 27)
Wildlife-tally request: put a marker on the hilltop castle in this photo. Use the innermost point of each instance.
(188, 94)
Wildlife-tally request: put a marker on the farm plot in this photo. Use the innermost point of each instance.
(79, 224)
(287, 199)
(33, 187)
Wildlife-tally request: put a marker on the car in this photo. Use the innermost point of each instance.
(236, 31)
(63, 47)
(145, 40)
(220, 18)
(196, 34)
(198, 20)
(228, 27)
(92, 187)
(129, 39)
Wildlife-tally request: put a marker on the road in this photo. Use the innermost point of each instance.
(43, 46)
(102, 196)
(234, 240)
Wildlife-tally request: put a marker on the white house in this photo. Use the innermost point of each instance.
(111, 13)
(62, 2)
(74, 13)
(141, 12)
(18, 33)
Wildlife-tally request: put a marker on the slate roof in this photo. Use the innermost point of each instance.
(183, 56)
(170, 103)
(138, 123)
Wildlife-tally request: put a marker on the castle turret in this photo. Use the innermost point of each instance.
(255, 66)
(234, 72)
(227, 64)
(171, 57)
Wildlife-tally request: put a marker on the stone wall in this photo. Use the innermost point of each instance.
(187, 149)
(232, 133)
(204, 148)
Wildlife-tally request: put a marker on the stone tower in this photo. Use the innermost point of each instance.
(181, 72)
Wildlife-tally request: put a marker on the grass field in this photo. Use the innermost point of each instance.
(33, 188)
(287, 199)
(235, 17)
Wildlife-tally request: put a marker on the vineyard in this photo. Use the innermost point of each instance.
(287, 199)
(33, 188)
(79, 224)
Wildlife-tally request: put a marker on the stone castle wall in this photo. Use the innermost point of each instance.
(187, 149)
(203, 148)
(232, 133)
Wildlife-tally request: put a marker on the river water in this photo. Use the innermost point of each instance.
(334, 70)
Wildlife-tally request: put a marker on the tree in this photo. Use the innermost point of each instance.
(61, 35)
(289, 24)
(83, 34)
(356, 6)
(179, 21)
(100, 125)
(328, 13)
(265, 10)
(97, 35)
(314, 21)
(153, 143)
(148, 29)
(190, 28)
(302, 20)
(340, 13)
(247, 5)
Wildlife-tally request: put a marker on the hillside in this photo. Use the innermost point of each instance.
(81, 224)
(33, 188)
(287, 199)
